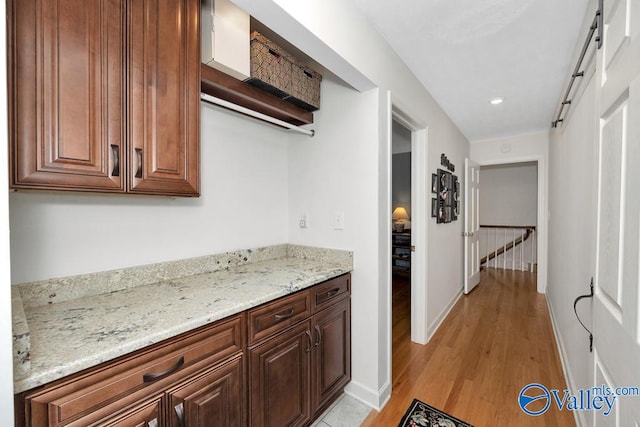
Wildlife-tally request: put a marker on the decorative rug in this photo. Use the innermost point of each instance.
(420, 414)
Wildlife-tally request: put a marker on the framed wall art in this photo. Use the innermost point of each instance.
(445, 206)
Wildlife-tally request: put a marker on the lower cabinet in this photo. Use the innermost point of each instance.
(331, 361)
(297, 371)
(214, 397)
(280, 364)
(280, 378)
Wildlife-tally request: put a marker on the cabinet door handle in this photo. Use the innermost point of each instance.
(116, 160)
(319, 336)
(148, 378)
(281, 317)
(153, 423)
(310, 341)
(180, 413)
(139, 155)
(333, 292)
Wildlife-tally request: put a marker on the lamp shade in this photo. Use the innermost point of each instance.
(400, 213)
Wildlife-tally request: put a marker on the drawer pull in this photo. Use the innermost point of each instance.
(180, 413)
(153, 423)
(310, 341)
(333, 292)
(148, 378)
(139, 156)
(116, 160)
(319, 336)
(281, 317)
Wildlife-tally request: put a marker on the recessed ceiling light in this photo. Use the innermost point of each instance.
(496, 101)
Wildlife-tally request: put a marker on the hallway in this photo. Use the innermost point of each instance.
(495, 341)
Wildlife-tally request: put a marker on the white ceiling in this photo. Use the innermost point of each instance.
(466, 52)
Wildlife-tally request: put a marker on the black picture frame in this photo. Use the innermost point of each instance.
(445, 207)
(440, 213)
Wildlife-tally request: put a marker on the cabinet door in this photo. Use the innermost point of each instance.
(279, 379)
(164, 96)
(331, 363)
(214, 397)
(145, 414)
(66, 94)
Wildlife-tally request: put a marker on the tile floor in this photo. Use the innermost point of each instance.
(345, 412)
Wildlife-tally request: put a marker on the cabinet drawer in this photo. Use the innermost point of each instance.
(274, 317)
(330, 291)
(118, 384)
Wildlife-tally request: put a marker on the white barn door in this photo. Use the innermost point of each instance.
(616, 320)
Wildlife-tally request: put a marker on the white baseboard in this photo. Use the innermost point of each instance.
(370, 397)
(578, 415)
(443, 315)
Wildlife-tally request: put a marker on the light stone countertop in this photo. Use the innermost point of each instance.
(73, 334)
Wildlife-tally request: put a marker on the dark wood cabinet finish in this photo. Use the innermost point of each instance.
(66, 93)
(144, 414)
(164, 96)
(214, 397)
(332, 353)
(296, 370)
(104, 95)
(327, 293)
(279, 376)
(276, 316)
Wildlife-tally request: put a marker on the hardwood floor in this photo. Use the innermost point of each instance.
(495, 341)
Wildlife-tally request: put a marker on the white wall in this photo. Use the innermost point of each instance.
(244, 204)
(518, 149)
(572, 225)
(509, 194)
(6, 340)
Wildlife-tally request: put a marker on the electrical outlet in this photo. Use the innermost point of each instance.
(338, 221)
(304, 223)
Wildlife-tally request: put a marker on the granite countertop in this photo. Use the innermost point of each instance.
(75, 323)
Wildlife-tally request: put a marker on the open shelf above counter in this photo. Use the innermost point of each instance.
(216, 83)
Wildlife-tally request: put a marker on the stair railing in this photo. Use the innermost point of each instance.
(511, 247)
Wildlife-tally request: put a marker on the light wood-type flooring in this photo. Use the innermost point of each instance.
(495, 341)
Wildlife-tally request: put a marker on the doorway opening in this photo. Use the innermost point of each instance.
(401, 242)
(410, 136)
(511, 222)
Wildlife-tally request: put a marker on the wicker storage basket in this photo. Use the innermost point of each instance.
(276, 71)
(271, 68)
(305, 87)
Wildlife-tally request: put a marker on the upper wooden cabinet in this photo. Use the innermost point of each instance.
(104, 95)
(164, 96)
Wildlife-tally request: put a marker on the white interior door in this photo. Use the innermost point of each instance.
(471, 225)
(616, 321)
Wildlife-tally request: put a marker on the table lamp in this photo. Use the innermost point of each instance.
(399, 215)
